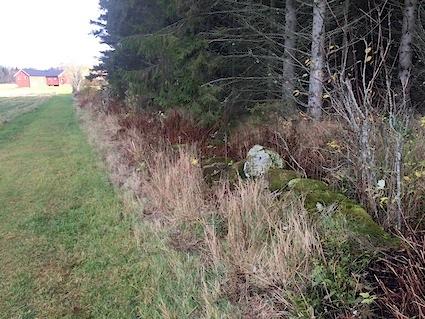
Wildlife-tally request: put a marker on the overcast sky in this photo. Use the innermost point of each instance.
(47, 33)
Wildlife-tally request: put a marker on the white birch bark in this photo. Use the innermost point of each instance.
(315, 101)
(406, 50)
(288, 60)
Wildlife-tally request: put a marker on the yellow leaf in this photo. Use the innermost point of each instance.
(383, 201)
(334, 145)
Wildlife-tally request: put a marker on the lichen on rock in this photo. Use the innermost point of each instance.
(260, 160)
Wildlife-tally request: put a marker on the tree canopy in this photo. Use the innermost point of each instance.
(226, 58)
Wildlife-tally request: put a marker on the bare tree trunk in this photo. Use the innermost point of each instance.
(405, 56)
(270, 80)
(345, 44)
(315, 101)
(398, 162)
(368, 164)
(288, 60)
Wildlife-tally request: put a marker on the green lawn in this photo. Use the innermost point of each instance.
(67, 248)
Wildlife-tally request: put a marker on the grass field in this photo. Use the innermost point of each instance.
(11, 90)
(67, 248)
(12, 107)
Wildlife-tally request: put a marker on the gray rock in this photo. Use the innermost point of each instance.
(260, 160)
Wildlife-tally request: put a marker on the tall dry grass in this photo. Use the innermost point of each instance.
(401, 279)
(102, 129)
(268, 249)
(174, 185)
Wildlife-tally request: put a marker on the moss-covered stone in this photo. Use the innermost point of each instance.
(279, 178)
(307, 185)
(218, 168)
(216, 160)
(215, 168)
(318, 194)
(235, 173)
(361, 222)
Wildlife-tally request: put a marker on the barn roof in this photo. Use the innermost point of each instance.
(47, 73)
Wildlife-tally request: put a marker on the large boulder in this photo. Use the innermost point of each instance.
(260, 160)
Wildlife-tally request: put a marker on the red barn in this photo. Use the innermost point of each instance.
(37, 78)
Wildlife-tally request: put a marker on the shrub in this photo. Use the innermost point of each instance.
(262, 251)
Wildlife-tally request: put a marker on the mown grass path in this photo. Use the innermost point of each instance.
(66, 251)
(12, 107)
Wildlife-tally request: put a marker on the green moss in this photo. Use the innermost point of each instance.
(307, 185)
(279, 178)
(358, 220)
(324, 197)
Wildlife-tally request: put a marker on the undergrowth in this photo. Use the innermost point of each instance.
(261, 255)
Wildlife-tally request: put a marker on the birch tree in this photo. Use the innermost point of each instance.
(290, 46)
(406, 49)
(315, 102)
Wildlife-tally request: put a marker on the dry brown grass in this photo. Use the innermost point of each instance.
(401, 278)
(267, 251)
(174, 185)
(262, 249)
(102, 130)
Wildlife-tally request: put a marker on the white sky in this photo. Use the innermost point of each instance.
(47, 33)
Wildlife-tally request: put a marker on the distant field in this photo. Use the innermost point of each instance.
(12, 107)
(11, 90)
